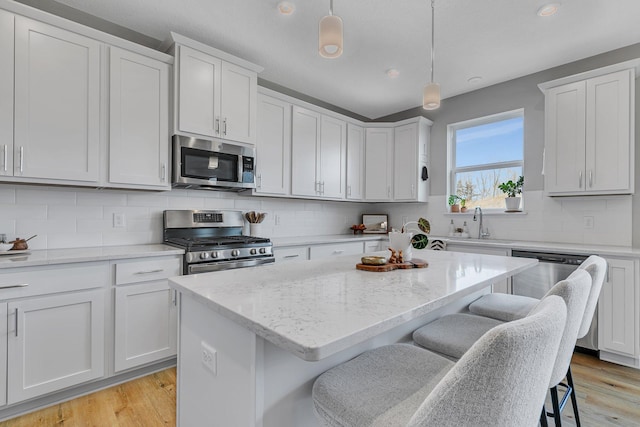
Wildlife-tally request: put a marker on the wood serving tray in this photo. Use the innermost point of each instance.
(415, 263)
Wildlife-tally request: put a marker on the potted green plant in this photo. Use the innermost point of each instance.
(463, 202)
(512, 189)
(453, 203)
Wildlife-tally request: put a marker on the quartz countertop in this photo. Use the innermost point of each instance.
(571, 248)
(102, 253)
(317, 308)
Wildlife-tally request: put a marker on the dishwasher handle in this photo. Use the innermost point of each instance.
(552, 258)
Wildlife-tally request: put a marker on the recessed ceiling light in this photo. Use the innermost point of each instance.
(474, 79)
(286, 8)
(548, 9)
(392, 73)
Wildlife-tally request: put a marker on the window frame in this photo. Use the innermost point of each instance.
(452, 128)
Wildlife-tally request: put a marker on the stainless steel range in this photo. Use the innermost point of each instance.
(213, 240)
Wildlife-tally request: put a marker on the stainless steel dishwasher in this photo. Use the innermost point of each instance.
(552, 268)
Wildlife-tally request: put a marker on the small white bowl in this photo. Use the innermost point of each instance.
(5, 246)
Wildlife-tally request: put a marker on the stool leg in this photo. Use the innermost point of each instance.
(543, 417)
(556, 406)
(574, 398)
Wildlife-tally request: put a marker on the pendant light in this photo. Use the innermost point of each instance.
(431, 93)
(330, 35)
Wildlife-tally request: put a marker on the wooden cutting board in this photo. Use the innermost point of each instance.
(415, 263)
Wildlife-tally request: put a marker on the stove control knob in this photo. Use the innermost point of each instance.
(214, 254)
(204, 255)
(235, 252)
(263, 251)
(253, 251)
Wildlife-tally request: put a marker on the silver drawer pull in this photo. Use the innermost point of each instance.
(22, 285)
(291, 256)
(149, 271)
(338, 251)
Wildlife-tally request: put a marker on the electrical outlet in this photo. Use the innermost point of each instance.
(587, 222)
(119, 220)
(209, 357)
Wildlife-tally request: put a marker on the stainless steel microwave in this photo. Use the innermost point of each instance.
(212, 165)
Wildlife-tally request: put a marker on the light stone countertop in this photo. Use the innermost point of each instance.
(570, 248)
(314, 309)
(102, 253)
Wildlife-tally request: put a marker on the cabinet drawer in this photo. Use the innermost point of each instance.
(374, 246)
(29, 281)
(337, 249)
(146, 270)
(296, 253)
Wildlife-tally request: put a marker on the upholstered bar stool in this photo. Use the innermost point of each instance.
(500, 381)
(451, 335)
(510, 307)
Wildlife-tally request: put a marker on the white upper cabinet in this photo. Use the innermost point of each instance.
(410, 162)
(216, 93)
(305, 136)
(6, 93)
(589, 131)
(139, 120)
(273, 146)
(318, 154)
(198, 99)
(332, 157)
(378, 164)
(57, 103)
(355, 162)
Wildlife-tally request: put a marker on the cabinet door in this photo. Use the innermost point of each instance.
(608, 136)
(378, 164)
(6, 93)
(332, 155)
(355, 162)
(57, 103)
(198, 92)
(617, 321)
(405, 176)
(565, 115)
(145, 328)
(273, 146)
(3, 354)
(139, 120)
(238, 103)
(305, 133)
(54, 342)
(335, 249)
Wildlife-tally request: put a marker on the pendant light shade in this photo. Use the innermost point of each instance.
(431, 93)
(431, 96)
(330, 35)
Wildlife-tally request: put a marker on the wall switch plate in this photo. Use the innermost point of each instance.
(588, 222)
(119, 220)
(209, 357)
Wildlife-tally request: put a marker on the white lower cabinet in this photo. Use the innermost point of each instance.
(145, 324)
(375, 246)
(54, 342)
(335, 249)
(618, 317)
(145, 312)
(293, 253)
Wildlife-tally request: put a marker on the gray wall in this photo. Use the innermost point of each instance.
(518, 93)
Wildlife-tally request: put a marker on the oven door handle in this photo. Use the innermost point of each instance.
(227, 265)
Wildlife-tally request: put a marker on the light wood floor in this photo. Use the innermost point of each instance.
(609, 395)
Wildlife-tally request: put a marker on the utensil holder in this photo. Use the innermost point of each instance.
(255, 229)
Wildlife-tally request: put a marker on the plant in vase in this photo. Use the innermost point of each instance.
(463, 202)
(453, 203)
(512, 189)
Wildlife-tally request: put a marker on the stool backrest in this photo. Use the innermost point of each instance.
(575, 293)
(597, 268)
(503, 378)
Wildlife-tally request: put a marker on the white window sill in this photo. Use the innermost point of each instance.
(496, 212)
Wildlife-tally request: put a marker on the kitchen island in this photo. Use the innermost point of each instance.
(253, 340)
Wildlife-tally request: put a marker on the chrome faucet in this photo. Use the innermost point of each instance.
(481, 233)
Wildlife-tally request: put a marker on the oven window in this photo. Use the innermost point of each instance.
(209, 165)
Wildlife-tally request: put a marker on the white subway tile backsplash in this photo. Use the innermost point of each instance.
(66, 211)
(29, 227)
(101, 198)
(7, 194)
(45, 196)
(13, 212)
(75, 240)
(144, 199)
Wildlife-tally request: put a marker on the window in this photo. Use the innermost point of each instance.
(483, 153)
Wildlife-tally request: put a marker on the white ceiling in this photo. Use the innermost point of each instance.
(496, 39)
